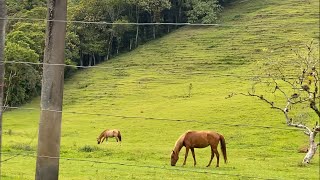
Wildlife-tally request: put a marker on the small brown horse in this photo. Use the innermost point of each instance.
(199, 139)
(109, 133)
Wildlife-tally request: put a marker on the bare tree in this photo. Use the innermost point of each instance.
(298, 89)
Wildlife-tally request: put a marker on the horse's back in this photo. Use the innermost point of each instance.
(200, 139)
(196, 139)
(202, 133)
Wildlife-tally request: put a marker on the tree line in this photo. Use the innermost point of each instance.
(88, 44)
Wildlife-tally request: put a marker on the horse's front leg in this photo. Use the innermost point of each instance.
(106, 139)
(194, 156)
(186, 155)
(102, 140)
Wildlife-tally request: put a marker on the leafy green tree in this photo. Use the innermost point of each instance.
(72, 50)
(203, 11)
(15, 6)
(22, 81)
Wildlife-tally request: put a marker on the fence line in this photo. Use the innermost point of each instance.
(134, 23)
(113, 68)
(114, 23)
(18, 154)
(140, 166)
(156, 119)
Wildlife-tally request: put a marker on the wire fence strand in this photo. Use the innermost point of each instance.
(157, 119)
(141, 166)
(114, 23)
(121, 68)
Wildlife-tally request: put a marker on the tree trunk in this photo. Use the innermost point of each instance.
(137, 30)
(130, 44)
(179, 14)
(154, 31)
(312, 148)
(90, 60)
(81, 59)
(94, 59)
(110, 46)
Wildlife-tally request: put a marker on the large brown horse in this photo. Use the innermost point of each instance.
(109, 133)
(199, 139)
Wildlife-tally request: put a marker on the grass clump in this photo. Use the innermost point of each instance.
(88, 148)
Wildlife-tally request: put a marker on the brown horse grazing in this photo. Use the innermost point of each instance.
(199, 139)
(109, 133)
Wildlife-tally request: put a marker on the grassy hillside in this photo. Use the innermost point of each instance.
(153, 83)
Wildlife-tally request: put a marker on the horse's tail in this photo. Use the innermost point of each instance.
(119, 136)
(223, 148)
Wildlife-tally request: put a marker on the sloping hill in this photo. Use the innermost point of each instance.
(185, 75)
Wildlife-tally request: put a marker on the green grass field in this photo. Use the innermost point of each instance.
(153, 81)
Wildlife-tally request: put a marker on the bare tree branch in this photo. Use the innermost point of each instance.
(315, 108)
(300, 126)
(264, 99)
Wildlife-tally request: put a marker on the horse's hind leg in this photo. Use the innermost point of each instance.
(186, 155)
(194, 156)
(217, 154)
(118, 140)
(212, 155)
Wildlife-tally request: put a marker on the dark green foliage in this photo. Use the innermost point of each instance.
(15, 6)
(203, 11)
(22, 81)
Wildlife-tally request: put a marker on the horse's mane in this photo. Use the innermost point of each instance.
(179, 143)
(102, 133)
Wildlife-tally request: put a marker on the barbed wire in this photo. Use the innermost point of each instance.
(134, 23)
(113, 23)
(141, 166)
(18, 154)
(155, 119)
(115, 68)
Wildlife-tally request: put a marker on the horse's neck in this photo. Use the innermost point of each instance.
(102, 134)
(179, 144)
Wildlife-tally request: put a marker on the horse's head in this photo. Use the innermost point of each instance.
(98, 140)
(174, 158)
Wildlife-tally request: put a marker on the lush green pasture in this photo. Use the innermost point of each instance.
(154, 80)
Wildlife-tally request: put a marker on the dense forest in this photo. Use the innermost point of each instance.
(89, 43)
